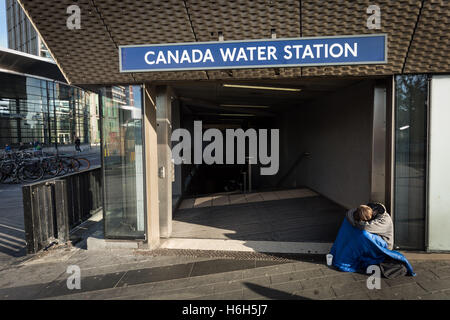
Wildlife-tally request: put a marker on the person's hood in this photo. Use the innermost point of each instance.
(378, 208)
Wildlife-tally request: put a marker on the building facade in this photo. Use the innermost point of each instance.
(34, 106)
(21, 34)
(43, 110)
(350, 131)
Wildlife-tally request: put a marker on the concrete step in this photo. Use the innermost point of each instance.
(247, 246)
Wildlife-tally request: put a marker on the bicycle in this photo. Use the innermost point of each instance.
(20, 171)
(29, 166)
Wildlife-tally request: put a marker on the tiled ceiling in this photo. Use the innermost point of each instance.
(90, 55)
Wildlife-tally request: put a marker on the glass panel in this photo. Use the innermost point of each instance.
(123, 162)
(33, 109)
(410, 160)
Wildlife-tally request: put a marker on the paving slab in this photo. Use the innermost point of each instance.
(354, 296)
(399, 281)
(321, 293)
(187, 204)
(296, 276)
(253, 197)
(267, 271)
(237, 199)
(231, 295)
(442, 273)
(435, 285)
(268, 196)
(437, 296)
(92, 283)
(405, 292)
(357, 288)
(262, 292)
(221, 200)
(325, 281)
(217, 266)
(203, 202)
(155, 274)
(291, 287)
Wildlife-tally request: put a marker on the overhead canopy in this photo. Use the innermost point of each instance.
(418, 33)
(20, 62)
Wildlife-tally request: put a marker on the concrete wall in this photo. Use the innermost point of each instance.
(337, 132)
(164, 132)
(439, 159)
(151, 168)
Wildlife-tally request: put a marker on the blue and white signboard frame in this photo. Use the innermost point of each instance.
(265, 53)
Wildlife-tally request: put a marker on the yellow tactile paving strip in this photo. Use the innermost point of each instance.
(215, 200)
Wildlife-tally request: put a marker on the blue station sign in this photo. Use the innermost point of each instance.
(270, 53)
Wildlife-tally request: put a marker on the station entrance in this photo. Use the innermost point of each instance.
(333, 154)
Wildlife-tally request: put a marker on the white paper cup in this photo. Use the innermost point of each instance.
(329, 259)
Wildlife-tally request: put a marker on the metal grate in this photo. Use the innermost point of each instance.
(238, 255)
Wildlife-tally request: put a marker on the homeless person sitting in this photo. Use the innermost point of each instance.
(365, 239)
(374, 219)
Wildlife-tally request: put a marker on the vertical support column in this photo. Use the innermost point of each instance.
(378, 187)
(151, 169)
(390, 147)
(438, 217)
(177, 186)
(164, 130)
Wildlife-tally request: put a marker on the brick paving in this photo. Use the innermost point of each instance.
(135, 275)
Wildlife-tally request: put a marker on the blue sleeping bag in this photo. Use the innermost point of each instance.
(354, 250)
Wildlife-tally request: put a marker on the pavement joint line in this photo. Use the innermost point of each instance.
(190, 270)
(124, 274)
(334, 292)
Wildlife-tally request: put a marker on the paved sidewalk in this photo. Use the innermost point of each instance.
(12, 230)
(125, 274)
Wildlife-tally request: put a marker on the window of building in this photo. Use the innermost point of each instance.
(34, 109)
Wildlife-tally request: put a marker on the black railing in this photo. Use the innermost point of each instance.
(52, 208)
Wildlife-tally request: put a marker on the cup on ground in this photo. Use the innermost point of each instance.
(329, 259)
